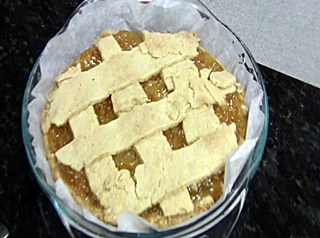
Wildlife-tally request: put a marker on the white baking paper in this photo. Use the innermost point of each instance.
(160, 16)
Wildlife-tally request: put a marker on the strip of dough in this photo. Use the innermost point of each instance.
(84, 123)
(94, 85)
(108, 47)
(177, 202)
(162, 44)
(199, 122)
(125, 99)
(153, 148)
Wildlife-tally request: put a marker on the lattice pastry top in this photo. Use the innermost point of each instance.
(139, 119)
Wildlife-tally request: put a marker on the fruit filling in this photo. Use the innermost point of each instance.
(155, 88)
(128, 159)
(104, 111)
(176, 137)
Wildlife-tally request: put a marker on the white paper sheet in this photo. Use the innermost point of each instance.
(283, 35)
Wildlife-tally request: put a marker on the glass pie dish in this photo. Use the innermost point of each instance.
(223, 216)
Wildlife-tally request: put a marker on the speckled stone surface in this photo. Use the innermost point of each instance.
(284, 195)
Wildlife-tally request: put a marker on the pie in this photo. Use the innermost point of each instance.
(144, 122)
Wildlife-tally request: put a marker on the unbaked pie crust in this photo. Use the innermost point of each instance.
(162, 177)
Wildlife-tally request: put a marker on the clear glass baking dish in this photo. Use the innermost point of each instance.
(220, 221)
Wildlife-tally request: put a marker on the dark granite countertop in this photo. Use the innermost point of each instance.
(284, 195)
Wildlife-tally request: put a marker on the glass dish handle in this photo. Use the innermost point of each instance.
(66, 224)
(239, 200)
(232, 212)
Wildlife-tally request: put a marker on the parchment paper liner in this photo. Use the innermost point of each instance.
(160, 16)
